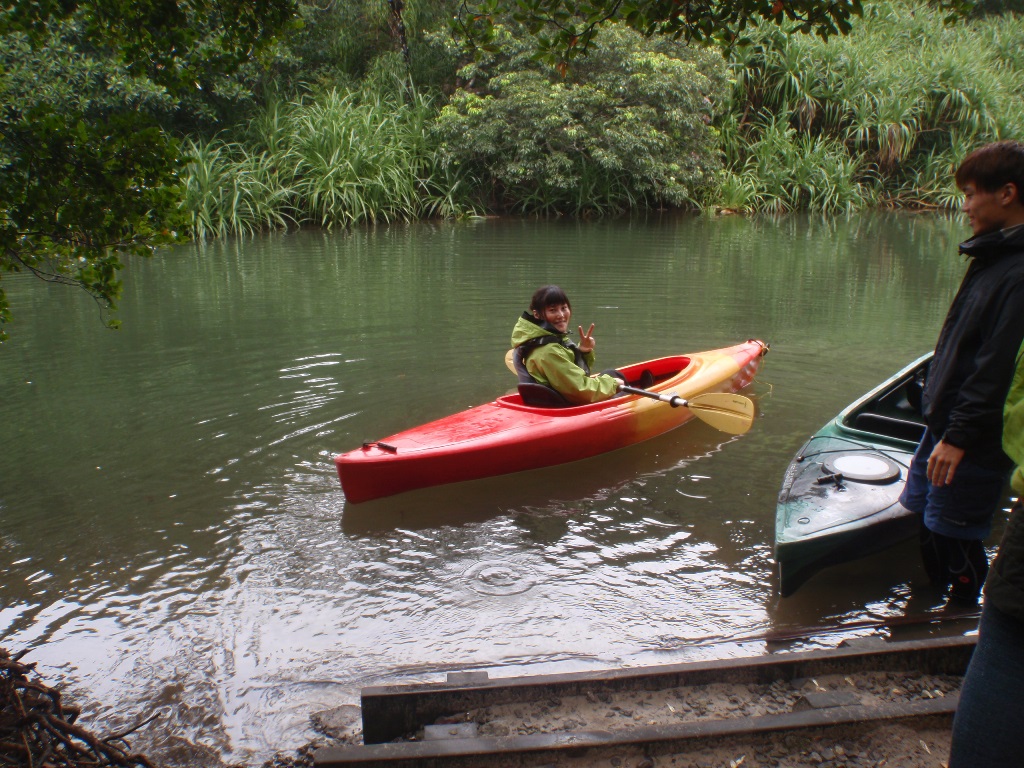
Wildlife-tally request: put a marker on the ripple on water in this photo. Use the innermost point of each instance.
(500, 577)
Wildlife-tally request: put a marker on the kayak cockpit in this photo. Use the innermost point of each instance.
(893, 411)
(665, 372)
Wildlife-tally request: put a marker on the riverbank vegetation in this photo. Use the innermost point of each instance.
(785, 122)
(38, 726)
(880, 117)
(627, 127)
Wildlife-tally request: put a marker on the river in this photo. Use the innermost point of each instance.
(174, 539)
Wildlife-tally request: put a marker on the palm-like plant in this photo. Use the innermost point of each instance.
(886, 110)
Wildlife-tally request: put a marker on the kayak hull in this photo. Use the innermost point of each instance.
(506, 436)
(839, 499)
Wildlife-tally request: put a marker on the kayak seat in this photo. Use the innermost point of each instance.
(532, 391)
(901, 429)
(541, 396)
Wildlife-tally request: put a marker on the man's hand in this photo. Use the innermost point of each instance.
(587, 342)
(943, 462)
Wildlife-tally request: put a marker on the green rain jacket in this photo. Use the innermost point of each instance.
(1013, 423)
(555, 365)
(1005, 585)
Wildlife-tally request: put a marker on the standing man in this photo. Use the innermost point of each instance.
(959, 472)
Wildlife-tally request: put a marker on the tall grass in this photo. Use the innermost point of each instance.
(785, 170)
(231, 190)
(339, 159)
(881, 116)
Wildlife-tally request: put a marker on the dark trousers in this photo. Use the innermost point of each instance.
(988, 730)
(955, 519)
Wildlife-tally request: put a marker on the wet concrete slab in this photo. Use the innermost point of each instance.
(416, 725)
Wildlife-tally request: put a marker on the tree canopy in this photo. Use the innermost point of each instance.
(87, 169)
(564, 29)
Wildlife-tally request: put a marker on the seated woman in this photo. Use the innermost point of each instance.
(544, 352)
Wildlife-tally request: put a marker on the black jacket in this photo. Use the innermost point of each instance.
(974, 360)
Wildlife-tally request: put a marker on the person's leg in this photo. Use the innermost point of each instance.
(618, 375)
(957, 519)
(988, 729)
(964, 508)
(915, 491)
(915, 498)
(935, 556)
(968, 567)
(646, 378)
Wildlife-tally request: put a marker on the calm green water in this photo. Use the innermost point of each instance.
(172, 532)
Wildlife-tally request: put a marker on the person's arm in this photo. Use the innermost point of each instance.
(978, 410)
(1013, 423)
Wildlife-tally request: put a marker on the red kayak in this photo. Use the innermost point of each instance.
(506, 436)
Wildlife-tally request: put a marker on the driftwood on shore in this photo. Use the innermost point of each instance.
(37, 730)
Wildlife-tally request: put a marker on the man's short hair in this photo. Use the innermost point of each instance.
(992, 166)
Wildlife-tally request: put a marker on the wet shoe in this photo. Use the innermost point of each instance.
(964, 592)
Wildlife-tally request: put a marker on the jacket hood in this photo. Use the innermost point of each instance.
(995, 243)
(528, 327)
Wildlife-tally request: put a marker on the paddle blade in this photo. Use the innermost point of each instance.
(726, 411)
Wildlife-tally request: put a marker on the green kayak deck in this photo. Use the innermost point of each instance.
(839, 499)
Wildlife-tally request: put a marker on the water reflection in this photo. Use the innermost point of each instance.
(173, 536)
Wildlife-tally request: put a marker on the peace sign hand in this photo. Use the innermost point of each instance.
(587, 342)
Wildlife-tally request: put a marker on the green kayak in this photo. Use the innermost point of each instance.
(840, 496)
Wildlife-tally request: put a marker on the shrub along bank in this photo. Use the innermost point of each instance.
(628, 126)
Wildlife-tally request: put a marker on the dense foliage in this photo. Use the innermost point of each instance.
(842, 124)
(340, 42)
(881, 117)
(627, 127)
(87, 169)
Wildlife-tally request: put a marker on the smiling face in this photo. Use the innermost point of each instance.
(992, 180)
(556, 315)
(988, 211)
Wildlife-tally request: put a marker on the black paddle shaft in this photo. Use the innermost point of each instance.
(674, 400)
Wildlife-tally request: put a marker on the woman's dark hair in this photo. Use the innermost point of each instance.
(992, 166)
(547, 296)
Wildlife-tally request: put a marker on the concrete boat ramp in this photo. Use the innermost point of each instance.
(726, 712)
